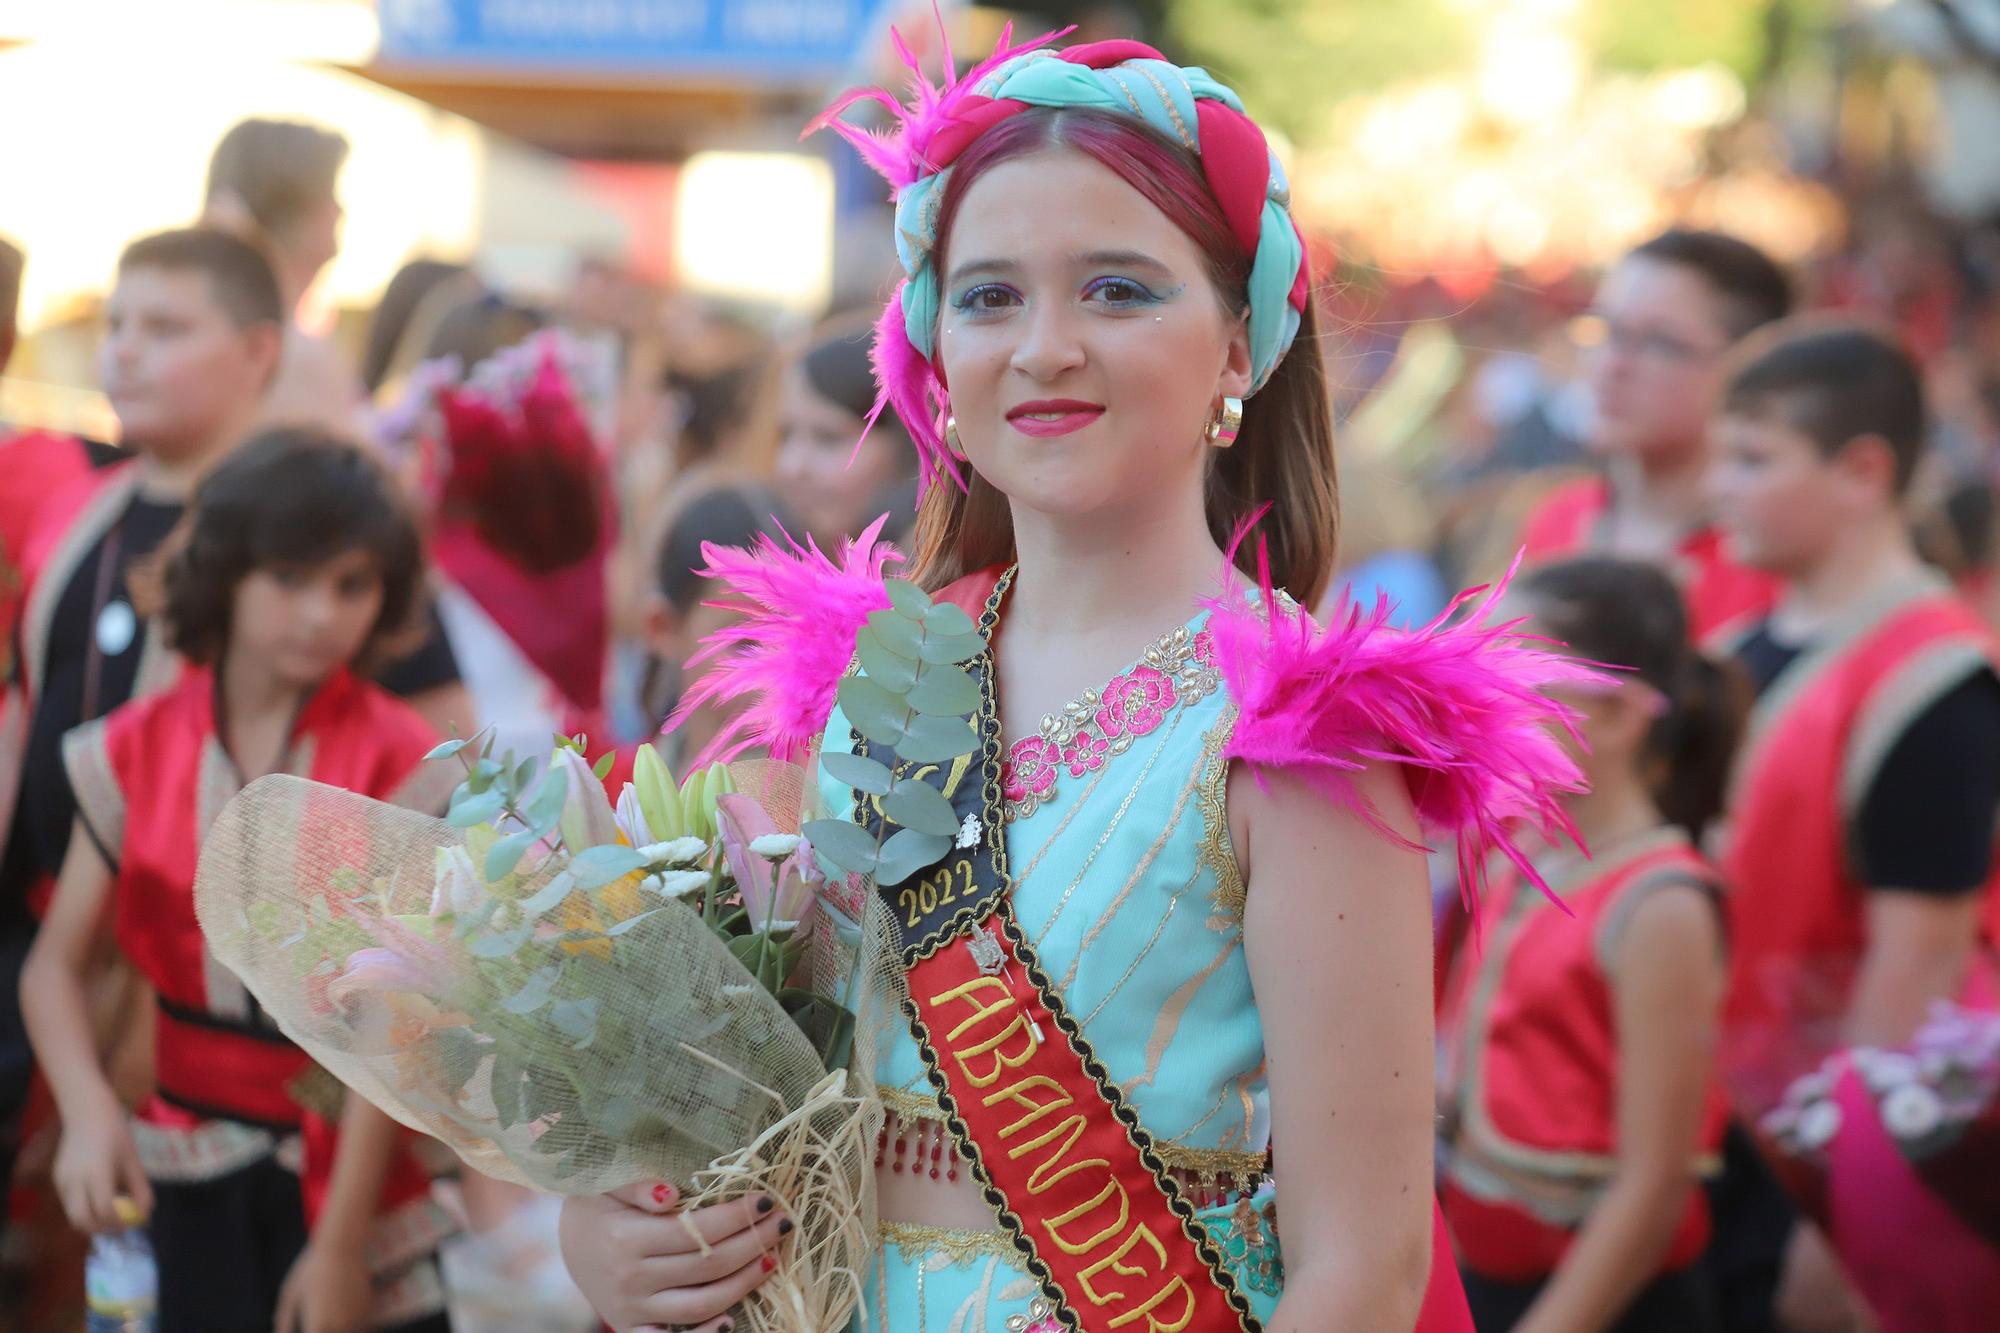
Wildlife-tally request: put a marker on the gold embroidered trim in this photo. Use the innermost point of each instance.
(207, 1151)
(1217, 853)
(963, 1248)
(907, 1105)
(1173, 655)
(1207, 1165)
(100, 801)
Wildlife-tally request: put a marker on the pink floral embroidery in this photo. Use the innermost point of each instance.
(1030, 769)
(1135, 704)
(1176, 671)
(1085, 753)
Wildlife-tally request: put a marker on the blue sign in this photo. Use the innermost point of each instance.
(754, 38)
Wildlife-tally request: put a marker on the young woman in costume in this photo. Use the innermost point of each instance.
(1579, 1102)
(298, 562)
(1190, 917)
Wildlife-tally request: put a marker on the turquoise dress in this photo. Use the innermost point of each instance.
(1127, 886)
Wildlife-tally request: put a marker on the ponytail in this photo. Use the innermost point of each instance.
(1694, 743)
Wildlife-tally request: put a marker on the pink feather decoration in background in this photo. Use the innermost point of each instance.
(1459, 704)
(785, 659)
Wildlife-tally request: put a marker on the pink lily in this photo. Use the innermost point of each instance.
(782, 893)
(381, 969)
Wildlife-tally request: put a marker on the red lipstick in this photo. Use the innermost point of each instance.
(1050, 417)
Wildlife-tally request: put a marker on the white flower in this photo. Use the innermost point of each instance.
(631, 818)
(459, 887)
(1889, 1070)
(676, 852)
(1912, 1111)
(1818, 1124)
(678, 883)
(774, 846)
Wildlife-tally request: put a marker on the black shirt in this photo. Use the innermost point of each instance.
(1926, 823)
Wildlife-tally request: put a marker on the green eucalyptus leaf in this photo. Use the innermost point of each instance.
(915, 804)
(615, 931)
(896, 634)
(594, 867)
(559, 887)
(505, 855)
(482, 775)
(944, 691)
(506, 1085)
(848, 846)
(469, 808)
(945, 619)
(459, 1053)
(445, 751)
(932, 740)
(534, 993)
(868, 776)
(576, 1019)
(500, 944)
(907, 598)
(951, 648)
(874, 711)
(746, 948)
(544, 809)
(906, 853)
(891, 670)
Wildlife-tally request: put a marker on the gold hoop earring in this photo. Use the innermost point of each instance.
(1226, 423)
(951, 441)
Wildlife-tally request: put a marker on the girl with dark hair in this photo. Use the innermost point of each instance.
(295, 567)
(1104, 351)
(1580, 1111)
(834, 487)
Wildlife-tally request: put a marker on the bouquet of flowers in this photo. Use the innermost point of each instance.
(577, 994)
(1938, 1098)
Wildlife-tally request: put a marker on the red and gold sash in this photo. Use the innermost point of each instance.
(1062, 1157)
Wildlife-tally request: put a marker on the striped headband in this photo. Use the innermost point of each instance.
(1121, 77)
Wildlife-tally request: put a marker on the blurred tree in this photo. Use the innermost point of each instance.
(1293, 61)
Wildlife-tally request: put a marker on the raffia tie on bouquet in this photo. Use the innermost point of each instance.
(681, 1067)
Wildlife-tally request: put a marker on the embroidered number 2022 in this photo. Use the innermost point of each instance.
(933, 892)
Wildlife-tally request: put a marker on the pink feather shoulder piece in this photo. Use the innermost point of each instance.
(1459, 703)
(783, 661)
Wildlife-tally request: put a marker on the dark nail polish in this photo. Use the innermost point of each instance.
(785, 1227)
(766, 1204)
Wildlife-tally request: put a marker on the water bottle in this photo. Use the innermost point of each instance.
(121, 1282)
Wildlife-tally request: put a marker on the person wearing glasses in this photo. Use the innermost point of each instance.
(1659, 332)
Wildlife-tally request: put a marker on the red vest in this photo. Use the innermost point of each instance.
(150, 778)
(34, 465)
(1530, 1041)
(1817, 738)
(1719, 592)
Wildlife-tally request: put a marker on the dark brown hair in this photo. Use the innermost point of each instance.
(1754, 290)
(1284, 456)
(290, 496)
(1628, 614)
(239, 277)
(1833, 381)
(280, 169)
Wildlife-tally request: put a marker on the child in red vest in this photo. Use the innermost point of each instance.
(298, 563)
(1669, 312)
(1579, 1104)
(1859, 848)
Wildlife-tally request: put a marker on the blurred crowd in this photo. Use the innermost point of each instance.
(565, 458)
